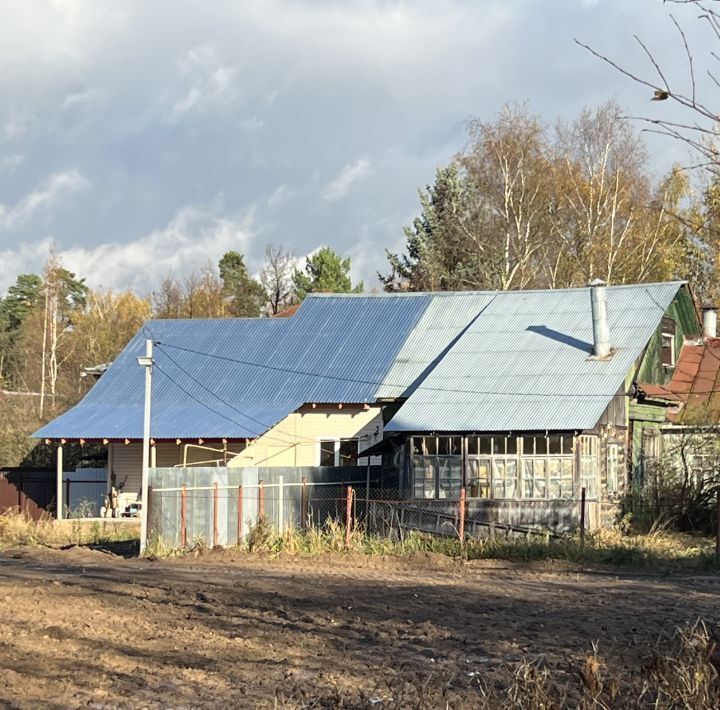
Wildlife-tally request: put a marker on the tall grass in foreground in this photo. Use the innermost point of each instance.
(17, 529)
(660, 549)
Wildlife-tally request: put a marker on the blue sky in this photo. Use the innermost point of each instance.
(146, 137)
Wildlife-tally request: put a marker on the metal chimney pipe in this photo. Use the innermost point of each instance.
(601, 329)
(709, 314)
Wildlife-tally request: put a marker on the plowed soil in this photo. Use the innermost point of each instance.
(90, 629)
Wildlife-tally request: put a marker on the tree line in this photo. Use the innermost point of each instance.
(532, 205)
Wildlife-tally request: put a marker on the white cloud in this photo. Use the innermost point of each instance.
(42, 198)
(194, 236)
(87, 97)
(340, 185)
(280, 194)
(210, 81)
(10, 163)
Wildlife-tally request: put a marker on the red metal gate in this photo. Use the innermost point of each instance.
(27, 490)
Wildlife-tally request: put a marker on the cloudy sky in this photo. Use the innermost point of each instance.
(146, 137)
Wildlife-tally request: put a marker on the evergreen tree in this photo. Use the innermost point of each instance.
(245, 295)
(325, 272)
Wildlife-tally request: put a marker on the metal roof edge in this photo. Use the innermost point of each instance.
(489, 292)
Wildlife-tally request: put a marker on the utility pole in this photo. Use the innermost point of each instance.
(147, 363)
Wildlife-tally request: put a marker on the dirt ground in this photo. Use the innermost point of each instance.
(86, 628)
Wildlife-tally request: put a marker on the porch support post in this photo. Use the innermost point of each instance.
(59, 494)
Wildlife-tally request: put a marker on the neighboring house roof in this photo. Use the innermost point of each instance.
(236, 378)
(288, 312)
(524, 364)
(694, 386)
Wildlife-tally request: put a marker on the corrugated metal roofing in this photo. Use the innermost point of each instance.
(236, 378)
(445, 318)
(524, 364)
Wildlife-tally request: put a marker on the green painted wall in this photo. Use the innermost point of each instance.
(651, 370)
(687, 325)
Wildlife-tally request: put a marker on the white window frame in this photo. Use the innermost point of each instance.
(613, 469)
(664, 333)
(326, 439)
(588, 450)
(562, 457)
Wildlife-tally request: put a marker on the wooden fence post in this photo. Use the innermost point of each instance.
(261, 500)
(240, 515)
(215, 515)
(582, 515)
(183, 516)
(348, 517)
(303, 504)
(461, 526)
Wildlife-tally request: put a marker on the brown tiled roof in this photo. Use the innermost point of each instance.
(695, 385)
(288, 312)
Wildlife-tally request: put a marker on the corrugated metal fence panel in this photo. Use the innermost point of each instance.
(283, 505)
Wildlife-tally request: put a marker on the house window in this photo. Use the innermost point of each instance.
(327, 453)
(588, 457)
(547, 466)
(667, 342)
(338, 452)
(613, 468)
(348, 452)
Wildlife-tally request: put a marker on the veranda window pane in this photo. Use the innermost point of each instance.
(479, 478)
(485, 445)
(417, 445)
(499, 445)
(528, 445)
(430, 443)
(449, 445)
(554, 444)
(450, 477)
(540, 445)
(505, 478)
(535, 483)
(567, 444)
(555, 478)
(512, 445)
(566, 482)
(424, 477)
(472, 444)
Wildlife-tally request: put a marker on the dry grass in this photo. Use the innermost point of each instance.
(681, 671)
(659, 550)
(17, 529)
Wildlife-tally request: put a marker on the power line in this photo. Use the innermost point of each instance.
(264, 425)
(380, 383)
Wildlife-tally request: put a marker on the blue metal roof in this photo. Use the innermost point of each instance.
(524, 364)
(236, 378)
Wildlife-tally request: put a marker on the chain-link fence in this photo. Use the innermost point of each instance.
(220, 506)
